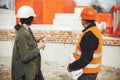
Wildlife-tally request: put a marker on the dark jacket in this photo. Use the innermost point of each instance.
(26, 59)
(89, 44)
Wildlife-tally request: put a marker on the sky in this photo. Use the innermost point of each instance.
(105, 4)
(9, 3)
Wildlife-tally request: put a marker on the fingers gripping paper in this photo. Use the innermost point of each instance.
(76, 74)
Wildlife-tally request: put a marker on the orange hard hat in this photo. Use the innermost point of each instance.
(89, 13)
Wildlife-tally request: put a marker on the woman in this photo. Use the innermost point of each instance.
(26, 59)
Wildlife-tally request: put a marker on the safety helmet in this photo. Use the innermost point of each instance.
(25, 12)
(89, 13)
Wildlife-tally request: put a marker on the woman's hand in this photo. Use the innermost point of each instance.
(41, 37)
(41, 45)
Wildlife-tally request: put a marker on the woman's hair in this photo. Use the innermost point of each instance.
(17, 26)
(27, 21)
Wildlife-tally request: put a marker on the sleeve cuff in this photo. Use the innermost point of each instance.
(36, 51)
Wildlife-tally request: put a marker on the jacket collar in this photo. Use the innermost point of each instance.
(23, 27)
(89, 26)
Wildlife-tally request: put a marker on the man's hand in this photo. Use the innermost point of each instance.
(68, 69)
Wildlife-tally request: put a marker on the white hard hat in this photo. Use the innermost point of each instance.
(25, 12)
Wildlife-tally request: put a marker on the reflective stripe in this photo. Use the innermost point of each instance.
(78, 52)
(93, 65)
(95, 55)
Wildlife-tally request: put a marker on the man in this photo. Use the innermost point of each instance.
(88, 47)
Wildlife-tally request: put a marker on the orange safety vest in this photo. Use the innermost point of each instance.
(94, 65)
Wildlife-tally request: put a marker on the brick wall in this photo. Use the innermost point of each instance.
(7, 34)
(56, 36)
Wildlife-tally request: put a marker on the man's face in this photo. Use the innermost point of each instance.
(84, 23)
